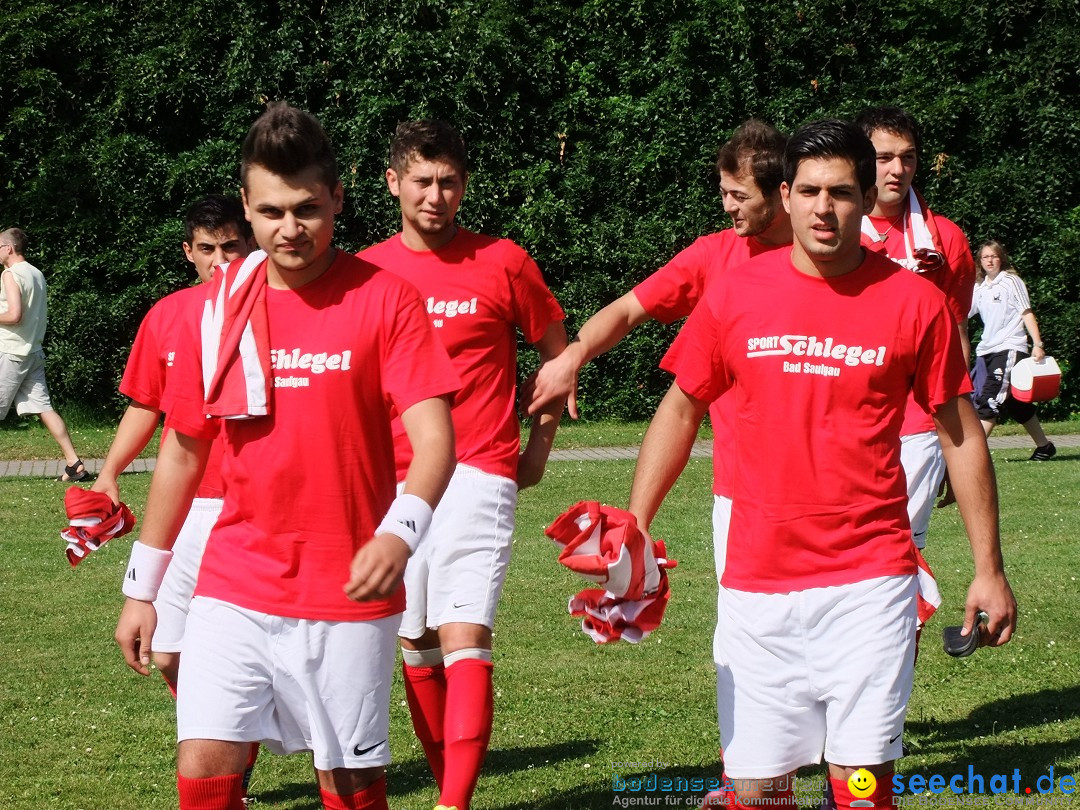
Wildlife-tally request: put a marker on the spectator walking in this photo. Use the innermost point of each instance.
(23, 316)
(1001, 301)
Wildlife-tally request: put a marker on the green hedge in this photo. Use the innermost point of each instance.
(592, 128)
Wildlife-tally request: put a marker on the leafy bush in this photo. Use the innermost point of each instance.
(592, 128)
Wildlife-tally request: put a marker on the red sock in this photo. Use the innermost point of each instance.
(171, 685)
(881, 797)
(213, 793)
(373, 797)
(467, 728)
(425, 690)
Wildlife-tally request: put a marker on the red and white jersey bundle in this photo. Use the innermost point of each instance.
(605, 545)
(93, 520)
(929, 599)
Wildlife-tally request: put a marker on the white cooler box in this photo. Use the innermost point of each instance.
(1036, 382)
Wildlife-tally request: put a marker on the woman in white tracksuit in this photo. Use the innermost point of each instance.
(1001, 301)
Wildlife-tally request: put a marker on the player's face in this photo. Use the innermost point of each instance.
(896, 164)
(751, 211)
(208, 249)
(990, 261)
(293, 221)
(430, 193)
(826, 207)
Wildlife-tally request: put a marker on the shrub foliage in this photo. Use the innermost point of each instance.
(592, 128)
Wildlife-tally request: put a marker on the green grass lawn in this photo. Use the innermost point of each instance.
(78, 730)
(26, 438)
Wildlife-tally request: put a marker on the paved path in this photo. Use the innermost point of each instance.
(52, 469)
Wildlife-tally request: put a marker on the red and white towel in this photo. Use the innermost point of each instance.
(921, 237)
(605, 545)
(236, 341)
(93, 520)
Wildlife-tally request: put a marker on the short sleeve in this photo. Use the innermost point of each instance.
(960, 284)
(534, 307)
(696, 356)
(672, 291)
(940, 373)
(144, 374)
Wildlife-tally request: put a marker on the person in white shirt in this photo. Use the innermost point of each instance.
(1001, 301)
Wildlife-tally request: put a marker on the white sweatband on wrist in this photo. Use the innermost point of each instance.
(408, 517)
(146, 569)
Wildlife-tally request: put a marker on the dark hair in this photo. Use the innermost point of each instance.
(427, 139)
(288, 141)
(832, 139)
(17, 238)
(757, 148)
(890, 119)
(213, 213)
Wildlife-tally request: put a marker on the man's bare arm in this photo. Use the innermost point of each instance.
(664, 452)
(971, 475)
(545, 421)
(136, 429)
(14, 300)
(378, 566)
(557, 378)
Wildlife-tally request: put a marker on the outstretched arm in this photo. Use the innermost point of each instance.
(664, 452)
(379, 565)
(136, 428)
(545, 420)
(556, 379)
(971, 475)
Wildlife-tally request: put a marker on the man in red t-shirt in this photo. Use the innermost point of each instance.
(822, 346)
(901, 227)
(750, 169)
(479, 292)
(215, 232)
(290, 639)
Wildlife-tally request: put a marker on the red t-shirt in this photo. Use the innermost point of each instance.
(477, 290)
(168, 330)
(956, 278)
(674, 290)
(307, 485)
(821, 369)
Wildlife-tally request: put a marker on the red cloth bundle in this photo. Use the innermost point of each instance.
(605, 545)
(93, 520)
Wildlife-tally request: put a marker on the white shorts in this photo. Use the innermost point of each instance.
(22, 383)
(924, 467)
(458, 572)
(291, 684)
(823, 669)
(174, 596)
(721, 520)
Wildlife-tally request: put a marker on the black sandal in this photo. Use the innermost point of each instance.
(72, 473)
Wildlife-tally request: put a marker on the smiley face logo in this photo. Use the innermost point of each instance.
(861, 783)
